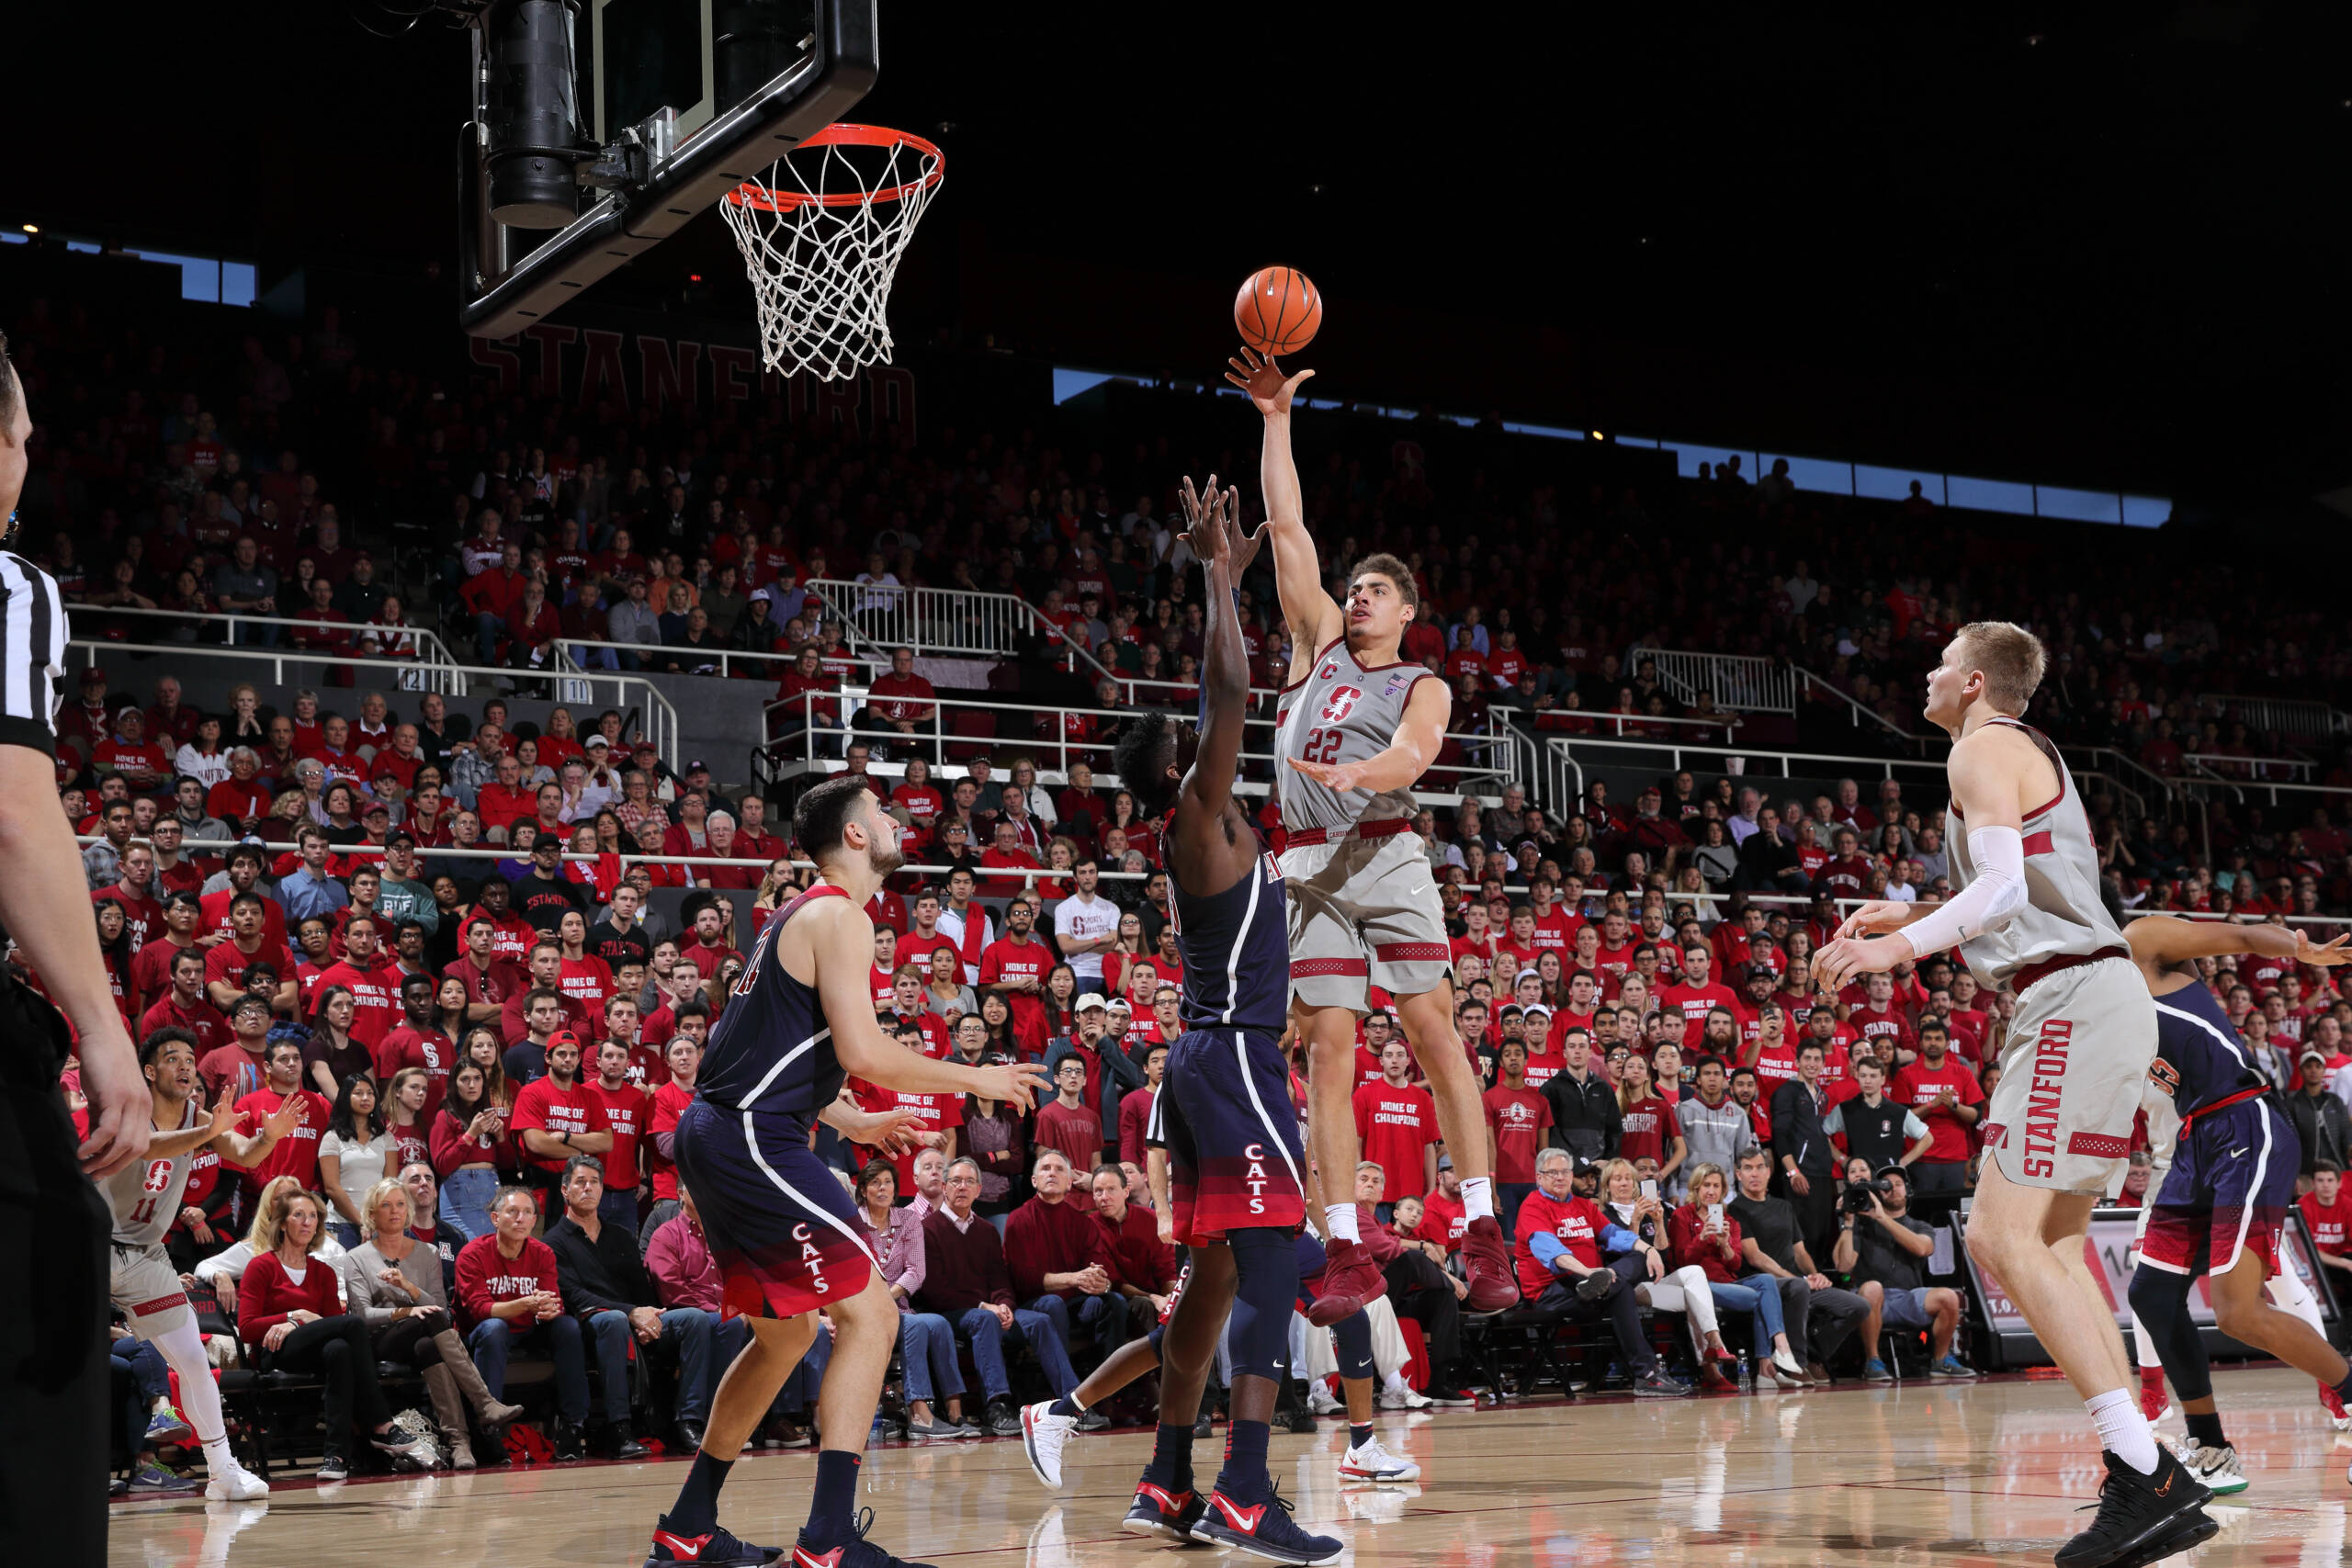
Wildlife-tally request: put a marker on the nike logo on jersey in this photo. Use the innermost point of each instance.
(2235, 1153)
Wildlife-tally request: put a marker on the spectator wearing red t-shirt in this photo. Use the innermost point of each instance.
(296, 1154)
(373, 981)
(1398, 1126)
(556, 1116)
(1942, 1091)
(1651, 1130)
(1014, 967)
(1878, 1019)
(1067, 1123)
(182, 1005)
(627, 1109)
(901, 702)
(133, 890)
(1005, 855)
(1696, 994)
(1135, 1108)
(1518, 1119)
(2327, 1214)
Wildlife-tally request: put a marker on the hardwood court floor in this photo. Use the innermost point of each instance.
(1985, 1474)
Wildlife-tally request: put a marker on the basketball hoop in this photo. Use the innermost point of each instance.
(821, 238)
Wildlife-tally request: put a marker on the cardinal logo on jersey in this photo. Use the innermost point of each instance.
(158, 1176)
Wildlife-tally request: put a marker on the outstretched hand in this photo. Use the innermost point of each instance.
(2323, 955)
(1018, 1083)
(1259, 376)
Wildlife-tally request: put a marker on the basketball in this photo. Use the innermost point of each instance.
(1278, 310)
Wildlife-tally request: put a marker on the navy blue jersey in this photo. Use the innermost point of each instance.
(2199, 1059)
(772, 1050)
(1236, 947)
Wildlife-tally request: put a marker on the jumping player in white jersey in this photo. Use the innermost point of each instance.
(2058, 1129)
(1356, 725)
(144, 1197)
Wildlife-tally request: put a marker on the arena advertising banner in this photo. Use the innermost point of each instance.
(2108, 1249)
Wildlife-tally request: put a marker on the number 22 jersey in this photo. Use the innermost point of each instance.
(1341, 712)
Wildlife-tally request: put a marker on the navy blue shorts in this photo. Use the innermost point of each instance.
(1224, 1114)
(781, 1229)
(2232, 1176)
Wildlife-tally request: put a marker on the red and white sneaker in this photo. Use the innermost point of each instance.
(2339, 1417)
(855, 1552)
(2152, 1394)
(1349, 1280)
(1485, 1258)
(1263, 1529)
(714, 1548)
(1170, 1515)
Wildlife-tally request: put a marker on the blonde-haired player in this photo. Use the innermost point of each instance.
(2058, 1129)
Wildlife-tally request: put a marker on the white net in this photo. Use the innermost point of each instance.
(821, 236)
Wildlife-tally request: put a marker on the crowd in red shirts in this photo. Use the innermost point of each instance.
(162, 482)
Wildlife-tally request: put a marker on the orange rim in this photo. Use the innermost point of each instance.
(763, 199)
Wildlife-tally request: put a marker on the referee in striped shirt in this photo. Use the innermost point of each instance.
(55, 1377)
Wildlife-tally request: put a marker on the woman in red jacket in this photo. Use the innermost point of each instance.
(1704, 1235)
(289, 1314)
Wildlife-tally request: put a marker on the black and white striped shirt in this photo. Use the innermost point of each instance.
(32, 654)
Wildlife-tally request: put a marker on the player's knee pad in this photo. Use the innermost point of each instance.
(2161, 1299)
(1352, 1336)
(1265, 1288)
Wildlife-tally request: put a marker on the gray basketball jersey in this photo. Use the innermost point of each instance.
(2063, 915)
(1342, 712)
(145, 1194)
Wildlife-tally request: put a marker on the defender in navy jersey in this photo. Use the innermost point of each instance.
(782, 1231)
(2233, 1157)
(1223, 1112)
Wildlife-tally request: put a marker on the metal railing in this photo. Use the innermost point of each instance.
(430, 649)
(1639, 726)
(1744, 682)
(1858, 715)
(731, 662)
(940, 620)
(628, 858)
(2227, 765)
(929, 620)
(2304, 718)
(658, 720)
(1057, 747)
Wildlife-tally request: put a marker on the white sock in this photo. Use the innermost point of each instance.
(1477, 1198)
(218, 1457)
(1339, 1222)
(2123, 1431)
(1396, 1379)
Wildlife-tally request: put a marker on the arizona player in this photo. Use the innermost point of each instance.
(2233, 1157)
(1223, 1112)
(1356, 725)
(2058, 1128)
(781, 1229)
(144, 1197)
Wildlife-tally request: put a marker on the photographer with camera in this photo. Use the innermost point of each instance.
(1885, 1251)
